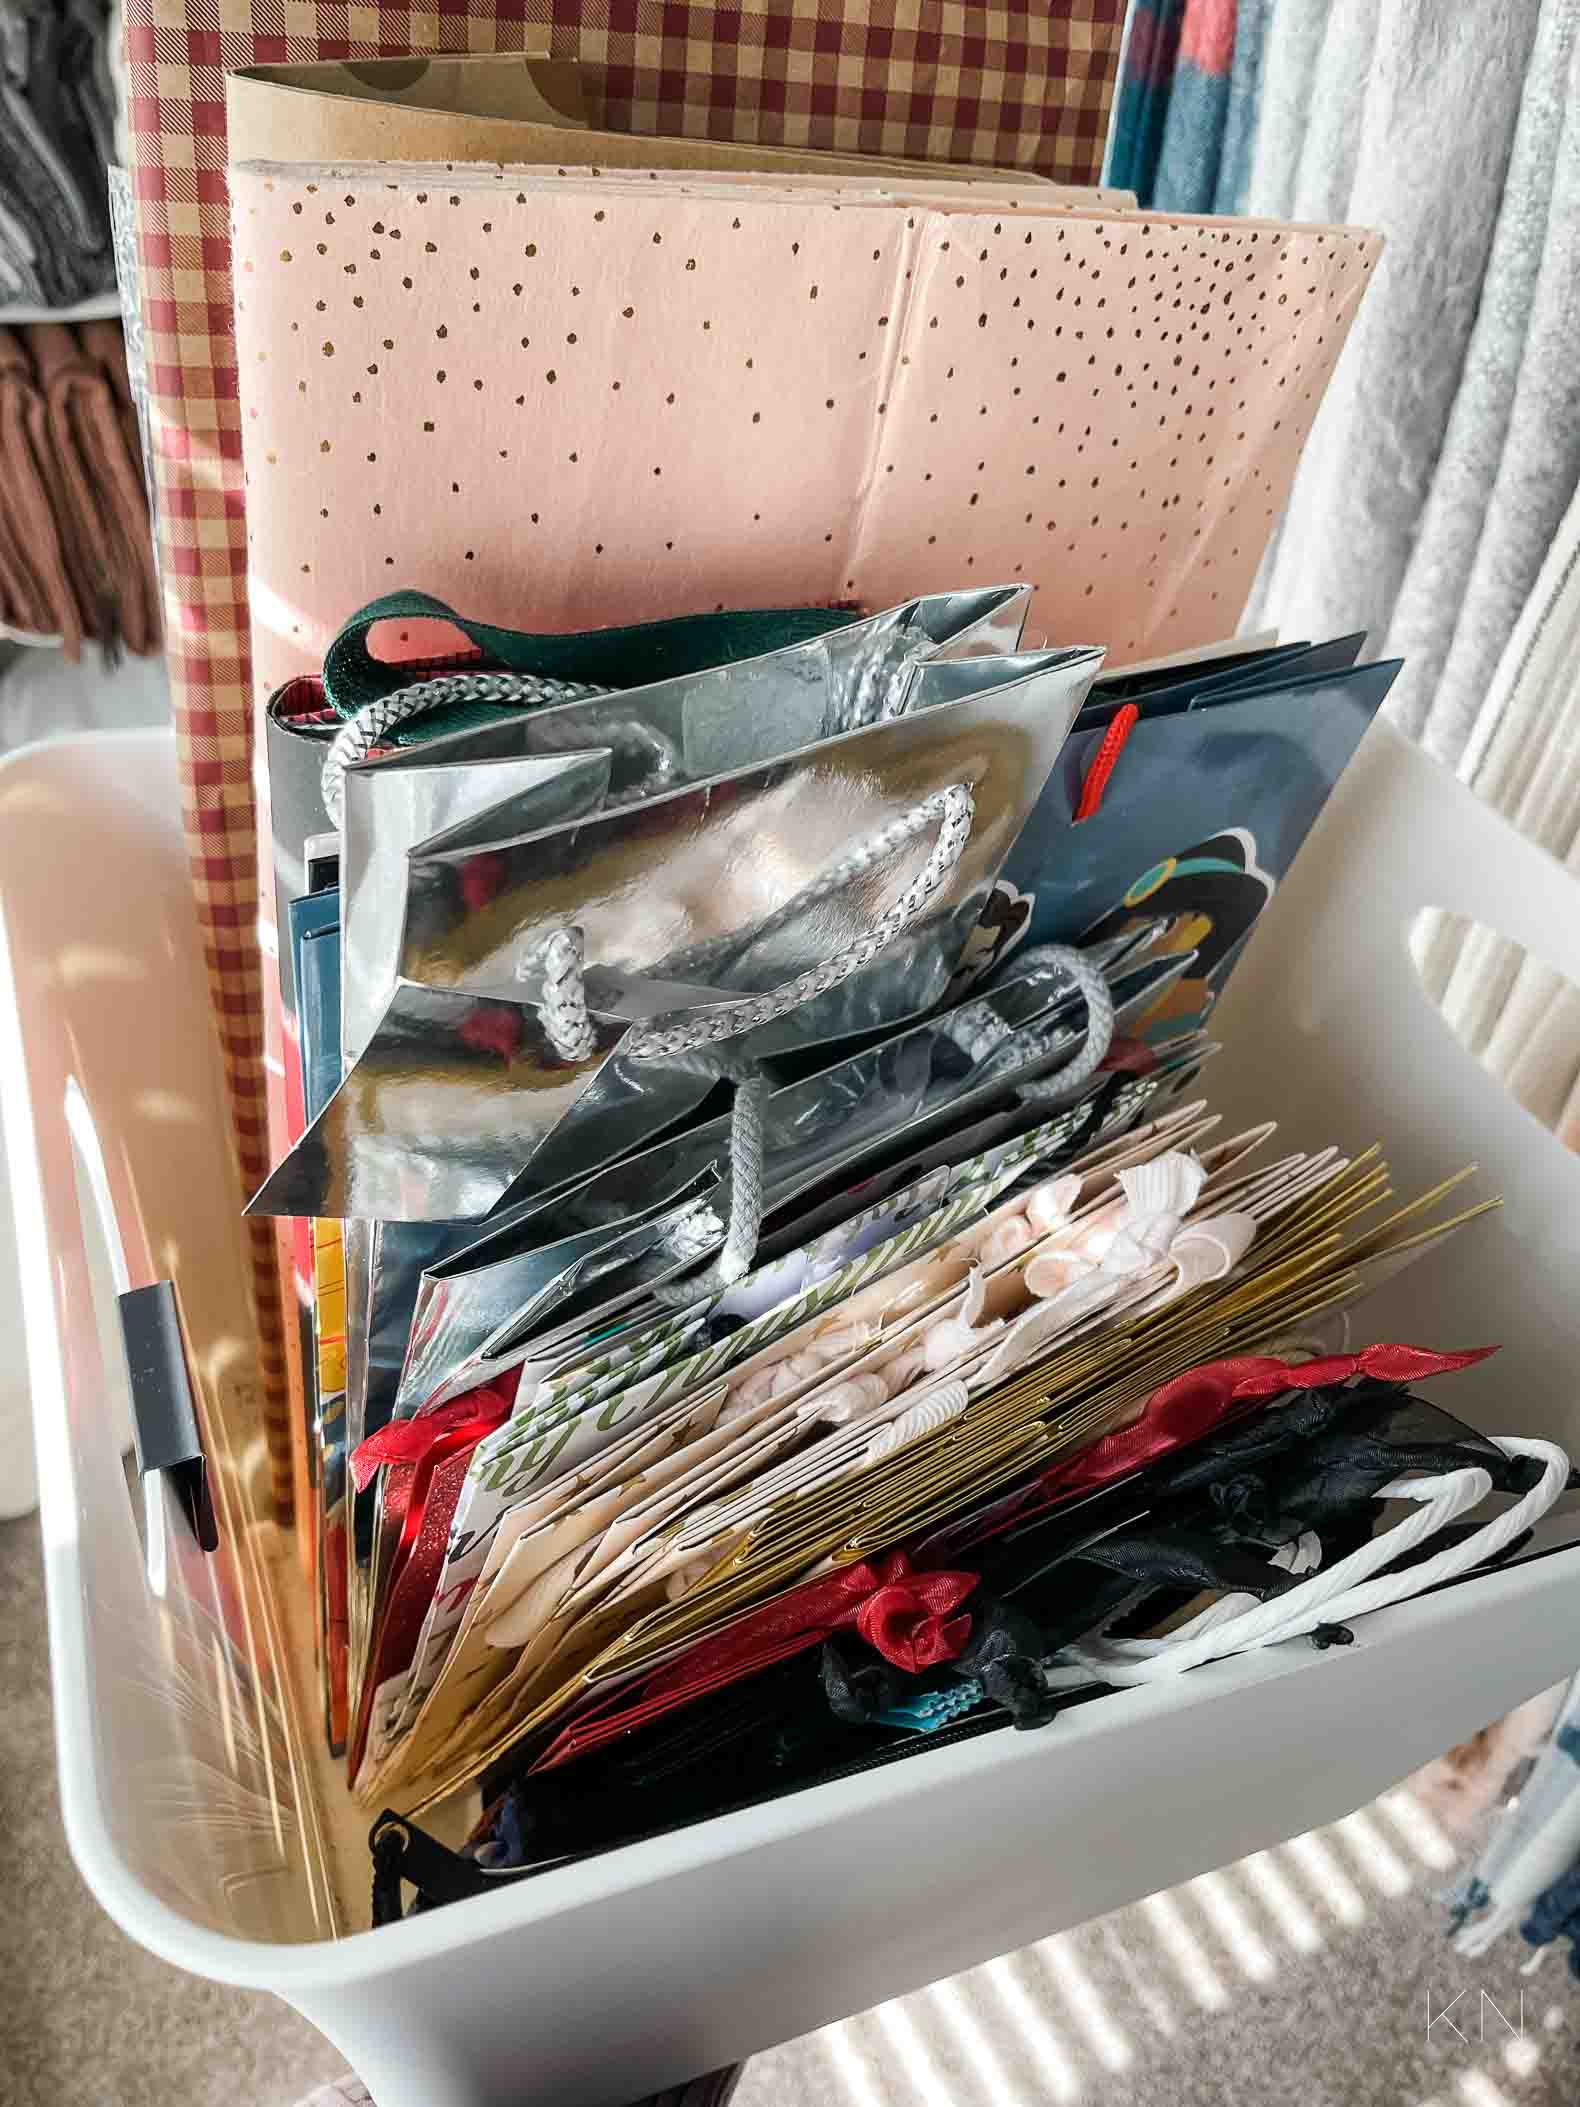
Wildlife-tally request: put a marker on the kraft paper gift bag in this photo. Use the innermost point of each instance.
(521, 108)
(559, 402)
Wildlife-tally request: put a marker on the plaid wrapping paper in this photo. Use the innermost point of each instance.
(1023, 84)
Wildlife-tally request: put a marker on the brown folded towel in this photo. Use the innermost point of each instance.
(36, 590)
(100, 502)
(105, 343)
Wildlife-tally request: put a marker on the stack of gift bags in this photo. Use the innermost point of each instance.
(765, 795)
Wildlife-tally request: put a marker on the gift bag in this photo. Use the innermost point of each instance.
(796, 901)
(972, 88)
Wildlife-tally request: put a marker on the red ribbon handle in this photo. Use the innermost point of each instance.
(409, 1440)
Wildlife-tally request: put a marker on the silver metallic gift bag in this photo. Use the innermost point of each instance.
(633, 1227)
(800, 901)
(622, 745)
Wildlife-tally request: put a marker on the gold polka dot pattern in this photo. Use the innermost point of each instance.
(569, 402)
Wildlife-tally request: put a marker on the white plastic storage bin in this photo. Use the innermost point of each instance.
(196, 1799)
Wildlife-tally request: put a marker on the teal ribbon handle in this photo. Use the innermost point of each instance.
(628, 657)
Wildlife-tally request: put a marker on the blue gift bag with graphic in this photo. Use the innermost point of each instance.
(1184, 806)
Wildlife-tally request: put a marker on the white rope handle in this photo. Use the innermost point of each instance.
(1065, 1081)
(1352, 1588)
(1238, 1622)
(1473, 1551)
(373, 723)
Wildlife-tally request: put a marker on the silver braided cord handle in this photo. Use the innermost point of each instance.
(746, 1183)
(373, 723)
(977, 1031)
(565, 1018)
(746, 1121)
(952, 809)
(687, 964)
(1099, 1020)
(876, 684)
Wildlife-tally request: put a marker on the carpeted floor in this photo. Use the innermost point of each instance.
(1300, 1978)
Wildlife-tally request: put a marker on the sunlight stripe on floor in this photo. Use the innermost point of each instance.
(851, 2074)
(904, 2036)
(1147, 1994)
(1218, 1904)
(1086, 2005)
(1333, 1885)
(1276, 1893)
(1376, 1858)
(1044, 2047)
(1419, 1831)
(1186, 1952)
(955, 2012)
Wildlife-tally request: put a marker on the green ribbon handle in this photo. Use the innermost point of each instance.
(628, 657)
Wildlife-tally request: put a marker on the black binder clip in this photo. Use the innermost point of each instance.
(164, 1420)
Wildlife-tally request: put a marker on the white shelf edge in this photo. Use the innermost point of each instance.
(103, 307)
